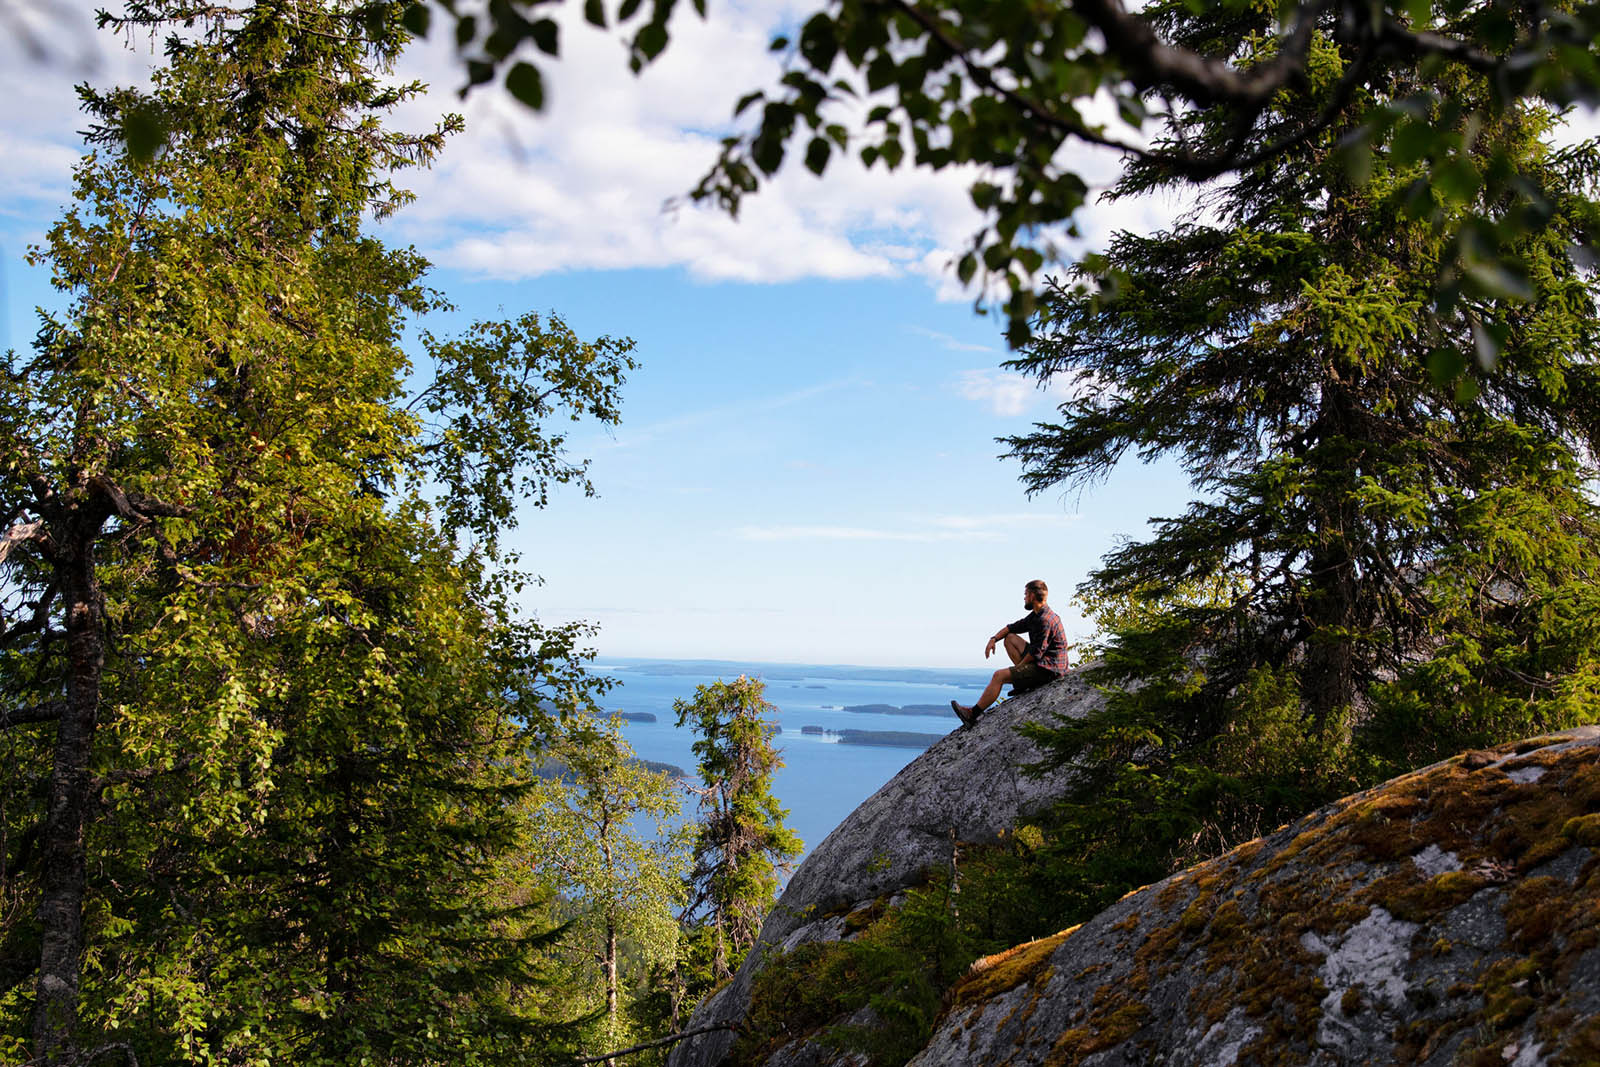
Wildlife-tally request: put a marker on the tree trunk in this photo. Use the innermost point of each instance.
(611, 982)
(1329, 680)
(608, 963)
(55, 1016)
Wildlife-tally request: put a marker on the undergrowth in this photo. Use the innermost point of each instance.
(899, 964)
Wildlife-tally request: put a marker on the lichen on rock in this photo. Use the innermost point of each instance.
(1449, 916)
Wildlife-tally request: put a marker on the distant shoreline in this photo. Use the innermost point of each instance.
(958, 677)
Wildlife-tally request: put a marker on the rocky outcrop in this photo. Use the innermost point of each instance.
(966, 788)
(1451, 916)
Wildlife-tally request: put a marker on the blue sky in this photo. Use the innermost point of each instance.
(806, 468)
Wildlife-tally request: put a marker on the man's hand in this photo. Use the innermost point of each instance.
(988, 650)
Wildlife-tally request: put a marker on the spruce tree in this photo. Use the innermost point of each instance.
(1394, 495)
(741, 844)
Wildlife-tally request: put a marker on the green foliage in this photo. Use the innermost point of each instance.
(1392, 557)
(602, 836)
(239, 552)
(741, 842)
(1139, 607)
(901, 959)
(1008, 89)
(493, 391)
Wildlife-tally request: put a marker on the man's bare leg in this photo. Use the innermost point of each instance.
(1016, 649)
(991, 693)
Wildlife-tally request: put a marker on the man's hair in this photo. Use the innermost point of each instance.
(1038, 587)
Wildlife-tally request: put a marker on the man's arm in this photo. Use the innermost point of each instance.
(1018, 627)
(988, 650)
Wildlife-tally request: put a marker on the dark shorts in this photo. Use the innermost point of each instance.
(1024, 679)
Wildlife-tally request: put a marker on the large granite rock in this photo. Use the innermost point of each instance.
(967, 788)
(1451, 916)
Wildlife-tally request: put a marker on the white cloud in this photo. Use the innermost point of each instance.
(1002, 392)
(582, 187)
(1009, 394)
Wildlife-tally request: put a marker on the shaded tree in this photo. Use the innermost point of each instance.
(1404, 551)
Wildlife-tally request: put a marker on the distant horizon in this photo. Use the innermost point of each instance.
(782, 670)
(757, 661)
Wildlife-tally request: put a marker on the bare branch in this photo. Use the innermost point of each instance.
(1151, 62)
(670, 1039)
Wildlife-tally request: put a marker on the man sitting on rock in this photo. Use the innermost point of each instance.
(1037, 662)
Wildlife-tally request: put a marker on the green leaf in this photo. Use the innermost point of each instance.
(966, 268)
(144, 130)
(594, 12)
(1412, 140)
(1354, 153)
(778, 43)
(1500, 280)
(766, 151)
(1445, 365)
(817, 155)
(818, 43)
(546, 36)
(651, 40)
(526, 84)
(1487, 341)
(1457, 180)
(627, 9)
(416, 19)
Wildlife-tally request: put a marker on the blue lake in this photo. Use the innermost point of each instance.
(822, 780)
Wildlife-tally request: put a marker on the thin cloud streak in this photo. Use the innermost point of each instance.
(649, 432)
(927, 531)
(856, 533)
(946, 341)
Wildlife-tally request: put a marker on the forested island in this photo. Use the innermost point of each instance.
(943, 710)
(883, 738)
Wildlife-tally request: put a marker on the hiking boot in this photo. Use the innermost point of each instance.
(966, 715)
